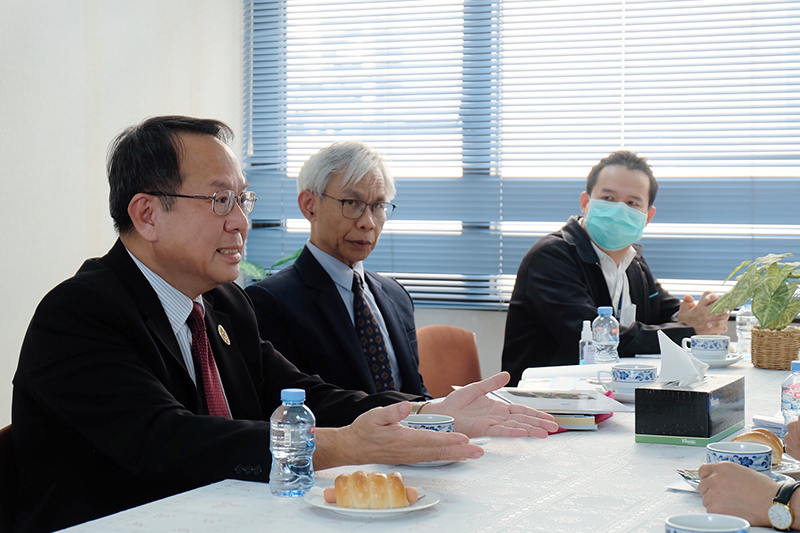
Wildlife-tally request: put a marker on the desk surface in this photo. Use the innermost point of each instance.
(576, 481)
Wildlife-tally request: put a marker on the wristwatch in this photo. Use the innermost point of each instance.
(780, 514)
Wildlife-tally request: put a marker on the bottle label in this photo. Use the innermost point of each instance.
(588, 354)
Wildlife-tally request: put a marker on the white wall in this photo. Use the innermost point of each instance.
(73, 74)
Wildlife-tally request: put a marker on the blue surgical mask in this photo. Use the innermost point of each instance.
(614, 225)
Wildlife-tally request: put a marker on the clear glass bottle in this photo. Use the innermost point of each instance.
(790, 394)
(605, 334)
(292, 443)
(745, 320)
(586, 345)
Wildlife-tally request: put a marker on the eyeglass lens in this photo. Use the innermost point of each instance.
(223, 202)
(356, 208)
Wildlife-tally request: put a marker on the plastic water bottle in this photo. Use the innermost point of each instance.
(745, 320)
(605, 333)
(292, 443)
(790, 394)
(586, 344)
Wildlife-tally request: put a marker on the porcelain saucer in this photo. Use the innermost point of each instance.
(720, 363)
(316, 498)
(690, 477)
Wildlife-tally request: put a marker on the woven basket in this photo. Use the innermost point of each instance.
(774, 350)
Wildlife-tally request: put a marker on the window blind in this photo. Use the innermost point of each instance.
(491, 114)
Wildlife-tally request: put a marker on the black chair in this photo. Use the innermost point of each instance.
(9, 485)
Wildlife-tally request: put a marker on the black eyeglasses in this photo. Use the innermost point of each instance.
(222, 201)
(382, 211)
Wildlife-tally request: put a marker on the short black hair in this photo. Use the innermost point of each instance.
(628, 159)
(146, 157)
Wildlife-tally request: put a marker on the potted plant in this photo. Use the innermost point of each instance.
(772, 286)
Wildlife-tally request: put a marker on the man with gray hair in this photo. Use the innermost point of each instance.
(326, 313)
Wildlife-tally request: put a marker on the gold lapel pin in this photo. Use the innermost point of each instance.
(224, 334)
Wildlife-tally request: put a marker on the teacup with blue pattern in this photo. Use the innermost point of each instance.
(755, 456)
(441, 423)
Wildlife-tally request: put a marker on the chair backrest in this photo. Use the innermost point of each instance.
(447, 356)
(8, 481)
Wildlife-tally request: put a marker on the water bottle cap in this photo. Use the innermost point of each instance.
(604, 311)
(795, 366)
(293, 395)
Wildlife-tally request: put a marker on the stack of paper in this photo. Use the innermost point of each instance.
(576, 422)
(579, 408)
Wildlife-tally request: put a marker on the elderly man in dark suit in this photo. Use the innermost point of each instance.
(310, 310)
(144, 374)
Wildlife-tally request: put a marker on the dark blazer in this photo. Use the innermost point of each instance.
(106, 416)
(301, 313)
(559, 285)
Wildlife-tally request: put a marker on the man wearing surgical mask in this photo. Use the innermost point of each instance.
(592, 262)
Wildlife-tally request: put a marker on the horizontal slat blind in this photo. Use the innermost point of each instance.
(492, 113)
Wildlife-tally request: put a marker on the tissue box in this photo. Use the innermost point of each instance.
(693, 416)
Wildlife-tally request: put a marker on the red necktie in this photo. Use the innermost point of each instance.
(201, 352)
(372, 342)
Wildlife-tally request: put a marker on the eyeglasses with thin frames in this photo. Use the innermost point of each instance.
(221, 202)
(351, 208)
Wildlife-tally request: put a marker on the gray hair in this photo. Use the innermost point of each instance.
(351, 159)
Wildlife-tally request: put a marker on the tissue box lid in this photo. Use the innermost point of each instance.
(710, 384)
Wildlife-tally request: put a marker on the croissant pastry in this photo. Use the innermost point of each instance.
(362, 490)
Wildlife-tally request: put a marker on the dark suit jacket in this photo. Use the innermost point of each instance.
(106, 416)
(301, 313)
(559, 285)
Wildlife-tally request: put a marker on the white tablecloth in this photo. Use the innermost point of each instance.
(575, 481)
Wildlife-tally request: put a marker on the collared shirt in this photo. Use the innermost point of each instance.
(342, 276)
(177, 307)
(618, 287)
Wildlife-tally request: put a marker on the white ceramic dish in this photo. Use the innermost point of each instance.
(626, 396)
(788, 466)
(479, 441)
(719, 363)
(432, 464)
(315, 497)
(690, 477)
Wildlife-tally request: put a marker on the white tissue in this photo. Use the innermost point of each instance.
(677, 365)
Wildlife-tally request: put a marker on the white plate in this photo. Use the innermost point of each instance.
(719, 363)
(627, 396)
(479, 441)
(315, 497)
(788, 466)
(780, 478)
(431, 464)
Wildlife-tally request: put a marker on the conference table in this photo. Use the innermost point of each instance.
(578, 481)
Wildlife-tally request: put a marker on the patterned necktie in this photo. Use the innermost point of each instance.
(371, 337)
(201, 352)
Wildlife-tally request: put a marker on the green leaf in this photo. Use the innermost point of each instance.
(252, 270)
(768, 307)
(786, 318)
(741, 293)
(780, 277)
(286, 259)
(735, 270)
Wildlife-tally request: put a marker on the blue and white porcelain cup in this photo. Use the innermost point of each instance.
(755, 456)
(441, 423)
(705, 523)
(628, 376)
(707, 346)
